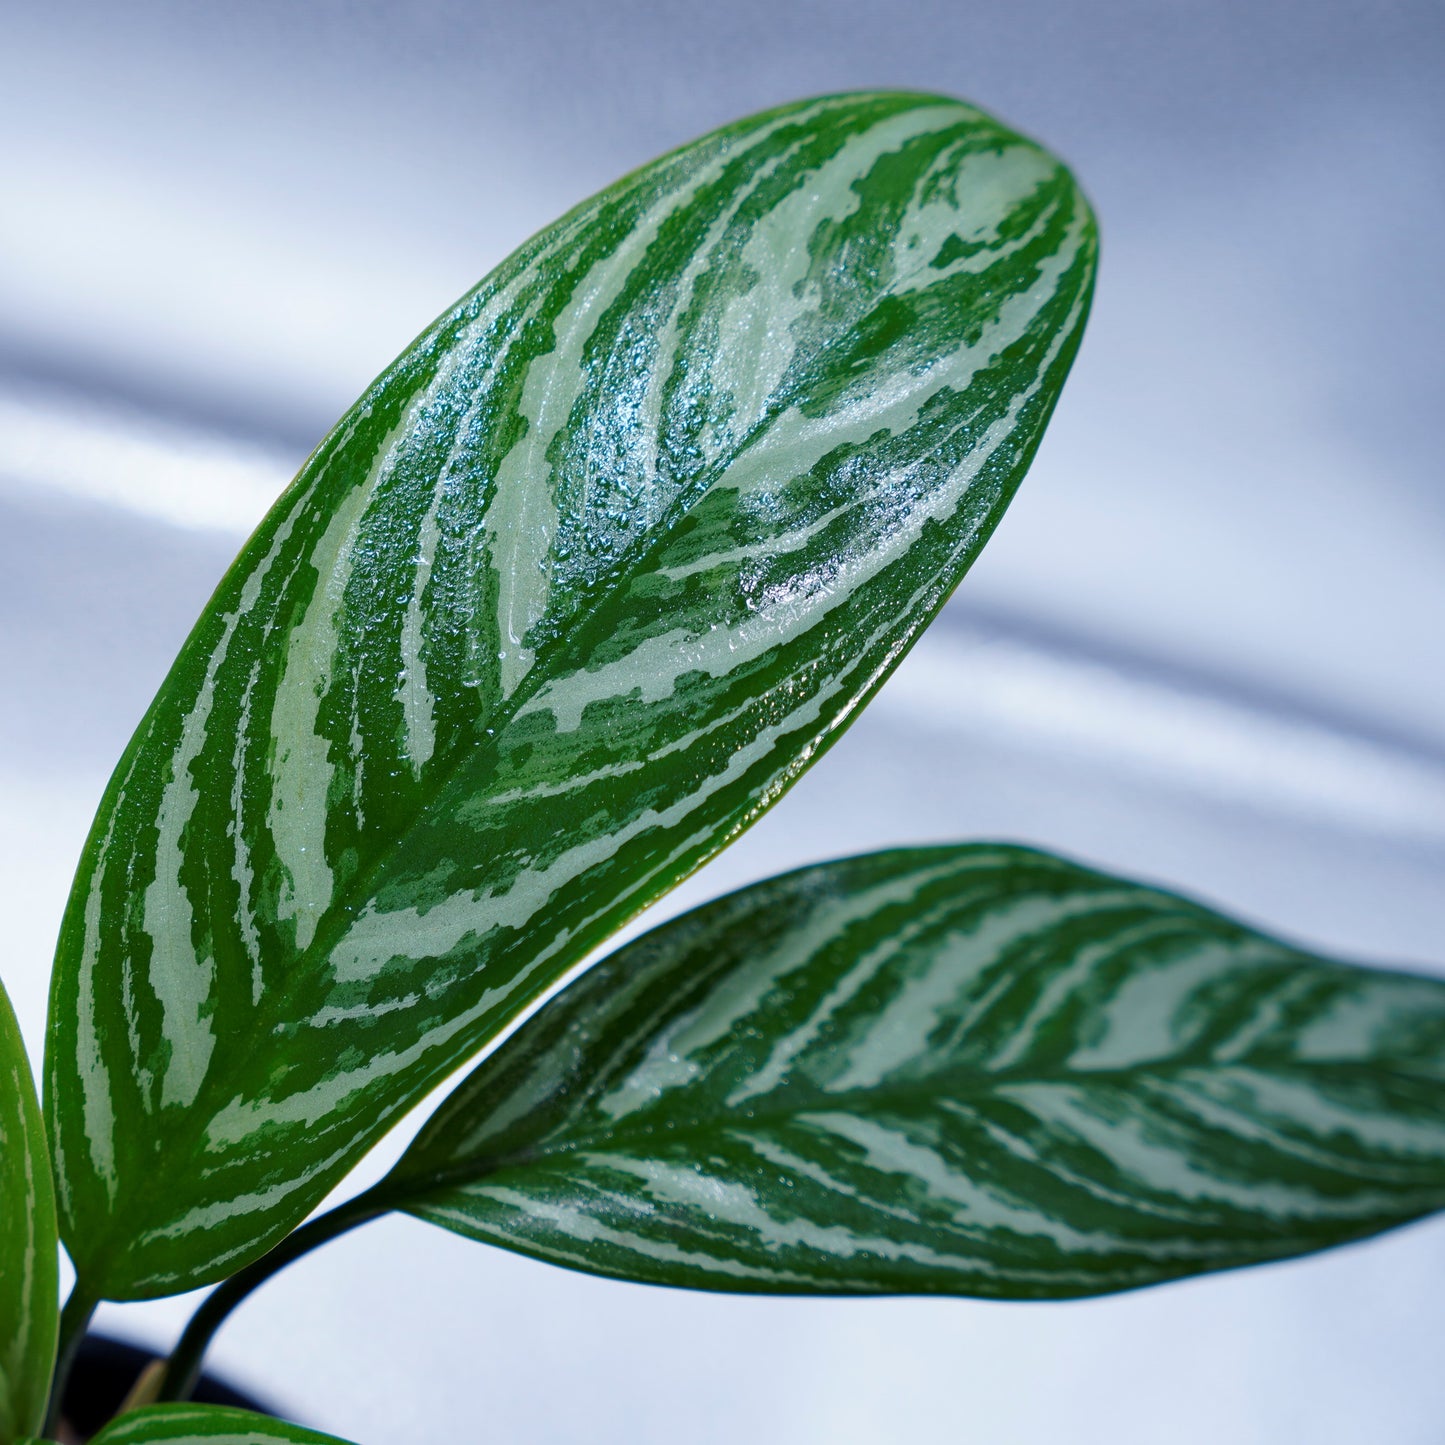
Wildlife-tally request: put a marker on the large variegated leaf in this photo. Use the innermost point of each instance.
(205, 1425)
(972, 1070)
(29, 1245)
(571, 595)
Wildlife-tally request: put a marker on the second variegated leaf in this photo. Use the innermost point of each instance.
(571, 595)
(974, 1070)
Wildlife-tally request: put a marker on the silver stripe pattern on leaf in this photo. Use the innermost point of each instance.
(571, 595)
(972, 1070)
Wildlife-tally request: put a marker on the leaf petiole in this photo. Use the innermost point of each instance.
(184, 1367)
(74, 1320)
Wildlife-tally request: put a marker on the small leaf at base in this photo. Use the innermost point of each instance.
(205, 1425)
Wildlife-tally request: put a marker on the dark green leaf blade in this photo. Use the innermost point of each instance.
(205, 1425)
(29, 1243)
(970, 1070)
(573, 594)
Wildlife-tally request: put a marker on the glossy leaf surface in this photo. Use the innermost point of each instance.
(570, 596)
(29, 1245)
(205, 1425)
(972, 1070)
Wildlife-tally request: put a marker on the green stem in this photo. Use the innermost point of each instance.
(74, 1320)
(184, 1367)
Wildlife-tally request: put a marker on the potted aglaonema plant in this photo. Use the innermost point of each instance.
(572, 594)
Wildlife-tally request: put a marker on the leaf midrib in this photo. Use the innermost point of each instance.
(552, 660)
(365, 885)
(974, 1084)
